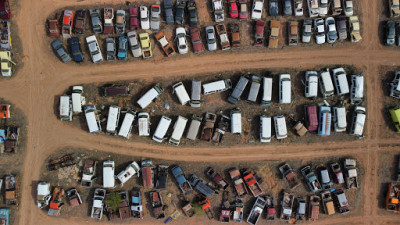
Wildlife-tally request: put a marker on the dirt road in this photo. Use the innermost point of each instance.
(43, 78)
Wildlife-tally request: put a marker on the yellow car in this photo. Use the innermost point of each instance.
(146, 45)
(354, 29)
(5, 57)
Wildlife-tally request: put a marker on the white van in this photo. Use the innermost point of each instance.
(65, 108)
(340, 80)
(236, 121)
(254, 88)
(108, 174)
(217, 86)
(267, 91)
(194, 127)
(92, 119)
(128, 173)
(113, 120)
(162, 129)
(77, 99)
(339, 119)
(358, 121)
(325, 83)
(238, 90)
(357, 89)
(265, 129)
(181, 93)
(285, 92)
(179, 128)
(144, 124)
(311, 88)
(196, 94)
(126, 127)
(280, 127)
(395, 86)
(150, 95)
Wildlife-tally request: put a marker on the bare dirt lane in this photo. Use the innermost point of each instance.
(43, 78)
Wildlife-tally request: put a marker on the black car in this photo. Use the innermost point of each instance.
(180, 11)
(169, 14)
(75, 49)
(273, 8)
(192, 8)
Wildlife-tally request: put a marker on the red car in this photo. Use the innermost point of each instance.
(133, 19)
(243, 10)
(233, 9)
(5, 13)
(196, 40)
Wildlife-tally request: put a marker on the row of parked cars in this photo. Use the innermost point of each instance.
(295, 7)
(244, 181)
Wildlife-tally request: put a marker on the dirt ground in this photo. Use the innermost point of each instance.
(37, 85)
(267, 170)
(217, 103)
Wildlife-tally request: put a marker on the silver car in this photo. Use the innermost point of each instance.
(211, 38)
(307, 31)
(155, 17)
(134, 44)
(111, 51)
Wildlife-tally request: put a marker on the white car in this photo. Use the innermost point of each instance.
(181, 40)
(94, 49)
(319, 27)
(348, 7)
(144, 18)
(134, 44)
(211, 38)
(256, 12)
(218, 6)
(331, 33)
(323, 7)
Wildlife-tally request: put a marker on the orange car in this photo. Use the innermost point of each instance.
(5, 111)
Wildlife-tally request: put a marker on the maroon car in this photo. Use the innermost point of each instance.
(133, 19)
(196, 40)
(5, 13)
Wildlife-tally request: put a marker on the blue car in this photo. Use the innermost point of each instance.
(60, 50)
(122, 48)
(75, 49)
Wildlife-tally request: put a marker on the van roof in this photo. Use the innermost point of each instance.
(179, 128)
(162, 127)
(148, 98)
(239, 88)
(113, 117)
(127, 124)
(92, 122)
(266, 126)
(312, 83)
(216, 85)
(267, 89)
(341, 116)
(312, 116)
(286, 95)
(236, 121)
(64, 105)
(359, 86)
(327, 81)
(108, 175)
(280, 125)
(181, 92)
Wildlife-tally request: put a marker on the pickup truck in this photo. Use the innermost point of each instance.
(221, 129)
(351, 175)
(157, 204)
(88, 173)
(80, 22)
(240, 187)
(200, 186)
(311, 179)
(208, 127)
(10, 185)
(53, 26)
(287, 205)
(235, 35)
(256, 211)
(165, 45)
(108, 21)
(259, 36)
(252, 183)
(223, 36)
(288, 173)
(180, 178)
(146, 45)
(274, 36)
(327, 202)
(293, 32)
(217, 178)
